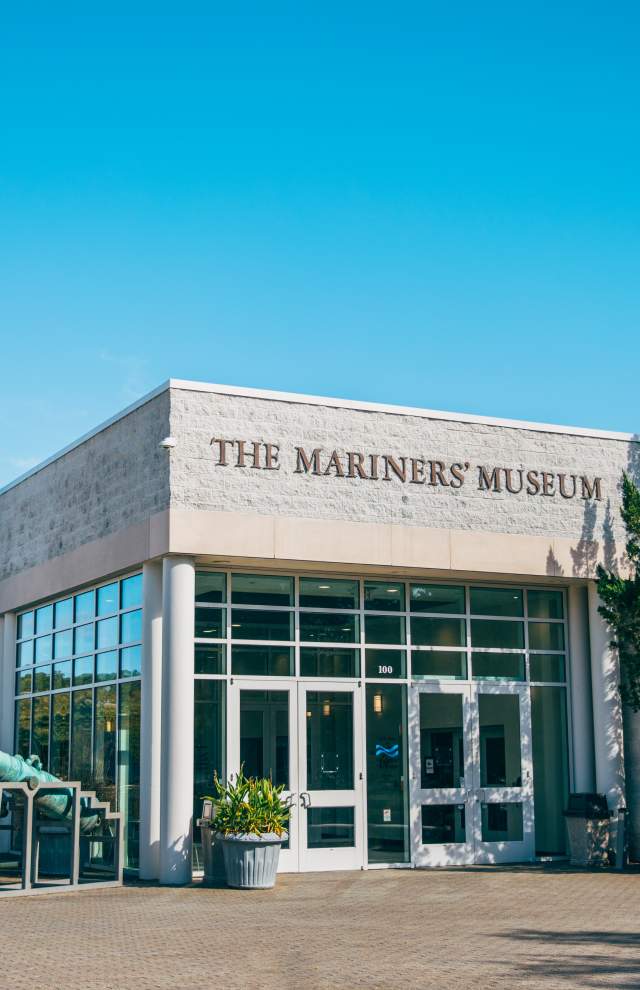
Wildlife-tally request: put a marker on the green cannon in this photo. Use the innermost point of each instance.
(55, 805)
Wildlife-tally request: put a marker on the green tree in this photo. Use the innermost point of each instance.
(621, 599)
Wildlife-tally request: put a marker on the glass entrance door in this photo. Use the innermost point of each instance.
(471, 782)
(331, 825)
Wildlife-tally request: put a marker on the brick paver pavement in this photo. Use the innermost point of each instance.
(506, 928)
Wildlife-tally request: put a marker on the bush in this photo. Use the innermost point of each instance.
(247, 805)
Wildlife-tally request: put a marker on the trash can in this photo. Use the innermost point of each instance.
(588, 826)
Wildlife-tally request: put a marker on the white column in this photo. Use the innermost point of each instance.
(7, 681)
(151, 721)
(584, 771)
(607, 709)
(176, 797)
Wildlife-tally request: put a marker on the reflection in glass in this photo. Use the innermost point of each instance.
(63, 613)
(437, 598)
(26, 625)
(384, 629)
(131, 661)
(23, 727)
(384, 596)
(62, 674)
(25, 653)
(63, 644)
(438, 632)
(210, 587)
(499, 740)
(83, 670)
(132, 591)
(256, 624)
(209, 755)
(386, 663)
(329, 661)
(443, 823)
(130, 628)
(445, 664)
(323, 627)
(388, 833)
(261, 589)
(44, 648)
(329, 593)
(83, 639)
(23, 682)
(441, 741)
(550, 768)
(210, 623)
(497, 666)
(60, 722)
(273, 661)
(546, 636)
(107, 633)
(496, 601)
(497, 635)
(545, 604)
(108, 599)
(104, 743)
(331, 828)
(40, 734)
(546, 667)
(107, 666)
(84, 606)
(210, 659)
(264, 735)
(329, 740)
(129, 768)
(42, 678)
(501, 822)
(44, 619)
(81, 721)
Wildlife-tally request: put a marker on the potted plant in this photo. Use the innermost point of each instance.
(250, 821)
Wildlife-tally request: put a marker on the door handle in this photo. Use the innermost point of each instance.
(305, 799)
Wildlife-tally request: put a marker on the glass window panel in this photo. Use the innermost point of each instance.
(384, 629)
(44, 619)
(257, 624)
(546, 636)
(497, 635)
(84, 638)
(388, 832)
(62, 674)
(60, 724)
(83, 670)
(438, 632)
(546, 667)
(329, 593)
(210, 587)
(501, 822)
(323, 627)
(107, 599)
(545, 604)
(209, 755)
(23, 682)
(44, 648)
(131, 661)
(550, 768)
(441, 741)
(129, 768)
(494, 666)
(107, 633)
(443, 823)
(210, 659)
(329, 662)
(63, 613)
(210, 623)
(261, 589)
(447, 664)
(81, 722)
(40, 735)
(264, 735)
(331, 828)
(63, 644)
(273, 661)
(386, 663)
(23, 727)
(499, 716)
(104, 744)
(437, 598)
(384, 596)
(329, 740)
(131, 591)
(42, 678)
(130, 628)
(496, 601)
(25, 653)
(26, 625)
(85, 606)
(107, 666)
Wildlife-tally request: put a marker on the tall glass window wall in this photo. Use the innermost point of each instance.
(385, 631)
(78, 665)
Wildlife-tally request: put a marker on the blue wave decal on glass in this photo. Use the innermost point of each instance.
(391, 751)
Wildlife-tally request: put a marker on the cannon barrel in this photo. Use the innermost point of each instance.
(14, 769)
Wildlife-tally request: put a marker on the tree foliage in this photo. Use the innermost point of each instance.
(621, 599)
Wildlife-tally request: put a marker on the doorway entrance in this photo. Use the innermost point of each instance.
(306, 736)
(471, 774)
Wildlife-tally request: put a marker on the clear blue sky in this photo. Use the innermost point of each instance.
(428, 204)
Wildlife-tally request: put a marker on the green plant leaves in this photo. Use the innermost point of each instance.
(249, 805)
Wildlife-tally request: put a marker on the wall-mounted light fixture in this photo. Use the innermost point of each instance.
(377, 704)
(326, 708)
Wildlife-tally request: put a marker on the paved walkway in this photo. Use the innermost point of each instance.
(382, 929)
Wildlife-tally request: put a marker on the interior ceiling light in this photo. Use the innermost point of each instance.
(324, 587)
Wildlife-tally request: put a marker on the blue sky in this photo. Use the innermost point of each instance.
(427, 204)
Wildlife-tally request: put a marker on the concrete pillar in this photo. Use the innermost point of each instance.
(584, 771)
(607, 709)
(176, 797)
(151, 721)
(7, 681)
